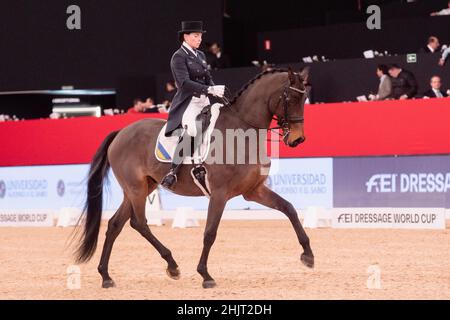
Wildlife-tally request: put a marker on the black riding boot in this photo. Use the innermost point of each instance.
(171, 178)
(199, 171)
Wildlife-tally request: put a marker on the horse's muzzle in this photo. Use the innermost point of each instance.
(295, 143)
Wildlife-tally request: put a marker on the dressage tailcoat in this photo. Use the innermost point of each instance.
(192, 78)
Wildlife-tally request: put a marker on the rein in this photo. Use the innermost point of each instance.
(283, 122)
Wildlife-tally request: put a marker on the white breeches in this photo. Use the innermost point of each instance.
(192, 111)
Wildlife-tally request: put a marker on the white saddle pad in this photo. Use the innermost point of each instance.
(165, 146)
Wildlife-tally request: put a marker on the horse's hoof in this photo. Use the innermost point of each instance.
(307, 260)
(208, 284)
(108, 284)
(173, 273)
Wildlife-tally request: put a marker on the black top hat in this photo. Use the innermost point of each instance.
(191, 26)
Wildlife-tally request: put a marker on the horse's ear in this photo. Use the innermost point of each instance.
(304, 74)
(291, 76)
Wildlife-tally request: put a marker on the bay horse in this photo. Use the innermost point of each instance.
(129, 152)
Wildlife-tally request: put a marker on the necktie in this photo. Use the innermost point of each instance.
(438, 94)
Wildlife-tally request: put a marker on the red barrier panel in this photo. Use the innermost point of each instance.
(62, 141)
(410, 127)
(332, 130)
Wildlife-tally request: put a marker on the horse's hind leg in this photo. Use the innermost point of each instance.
(139, 223)
(115, 226)
(268, 198)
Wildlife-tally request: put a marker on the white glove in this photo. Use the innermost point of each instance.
(217, 91)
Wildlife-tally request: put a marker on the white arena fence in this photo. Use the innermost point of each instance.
(313, 185)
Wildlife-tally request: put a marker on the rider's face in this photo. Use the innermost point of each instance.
(193, 39)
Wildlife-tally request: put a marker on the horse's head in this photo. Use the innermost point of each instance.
(291, 108)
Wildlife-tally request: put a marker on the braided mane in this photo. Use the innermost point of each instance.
(257, 77)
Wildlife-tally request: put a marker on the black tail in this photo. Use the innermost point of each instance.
(94, 202)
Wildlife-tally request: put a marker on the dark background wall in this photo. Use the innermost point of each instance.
(335, 81)
(127, 45)
(122, 43)
(341, 80)
(351, 40)
(245, 19)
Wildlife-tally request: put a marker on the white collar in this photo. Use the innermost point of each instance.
(383, 77)
(189, 48)
(436, 90)
(431, 49)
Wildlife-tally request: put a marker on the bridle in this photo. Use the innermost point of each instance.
(282, 122)
(285, 121)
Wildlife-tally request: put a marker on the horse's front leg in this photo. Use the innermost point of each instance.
(268, 198)
(215, 209)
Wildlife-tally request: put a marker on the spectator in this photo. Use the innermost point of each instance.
(143, 107)
(435, 91)
(149, 106)
(308, 86)
(444, 57)
(137, 106)
(443, 12)
(404, 84)
(432, 46)
(385, 87)
(169, 93)
(219, 60)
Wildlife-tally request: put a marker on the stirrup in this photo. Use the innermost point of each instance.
(169, 179)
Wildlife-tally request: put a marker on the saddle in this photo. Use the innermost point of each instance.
(165, 146)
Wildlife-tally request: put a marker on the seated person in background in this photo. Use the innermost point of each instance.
(444, 57)
(219, 60)
(432, 46)
(308, 86)
(143, 107)
(169, 93)
(443, 12)
(385, 87)
(404, 84)
(137, 106)
(435, 91)
(149, 106)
